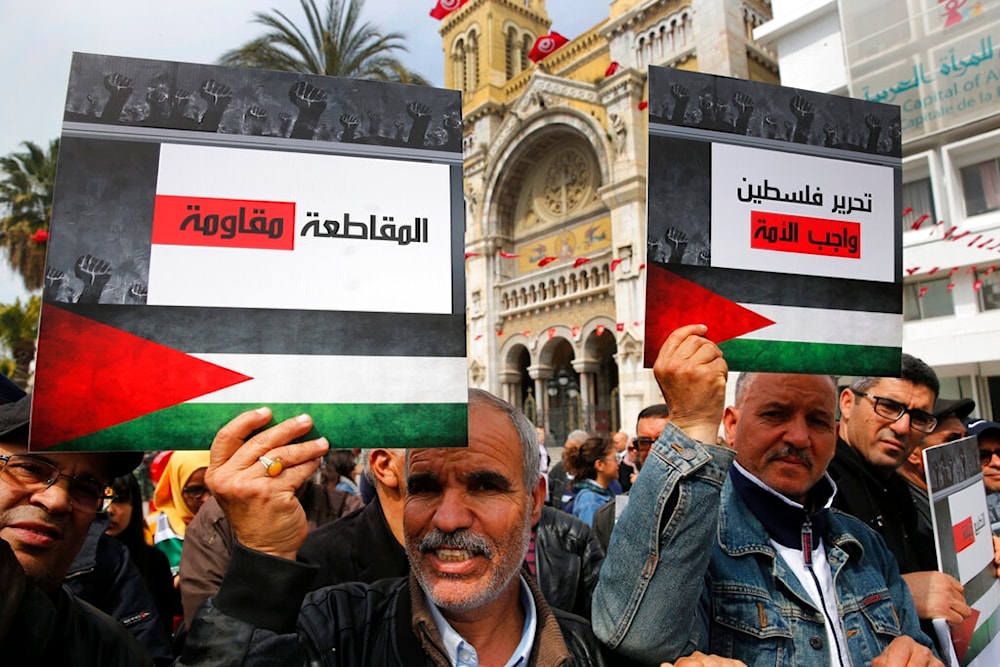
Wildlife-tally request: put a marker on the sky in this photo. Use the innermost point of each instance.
(38, 37)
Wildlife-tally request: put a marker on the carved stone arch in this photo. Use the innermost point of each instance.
(511, 164)
(510, 353)
(563, 335)
(592, 344)
(516, 386)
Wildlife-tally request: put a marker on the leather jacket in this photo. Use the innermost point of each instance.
(208, 542)
(568, 560)
(64, 630)
(358, 547)
(691, 568)
(385, 623)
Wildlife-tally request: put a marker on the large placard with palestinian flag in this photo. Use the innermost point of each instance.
(223, 239)
(773, 219)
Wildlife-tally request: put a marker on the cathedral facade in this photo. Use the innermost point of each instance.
(555, 188)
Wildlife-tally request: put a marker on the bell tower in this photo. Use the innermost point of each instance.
(486, 44)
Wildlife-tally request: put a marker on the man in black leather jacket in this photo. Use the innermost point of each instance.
(467, 519)
(567, 561)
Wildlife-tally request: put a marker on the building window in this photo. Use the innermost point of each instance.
(917, 195)
(989, 290)
(927, 298)
(981, 187)
(511, 44)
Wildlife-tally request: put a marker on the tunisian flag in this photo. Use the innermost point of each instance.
(445, 7)
(545, 45)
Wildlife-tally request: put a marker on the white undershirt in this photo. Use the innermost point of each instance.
(821, 569)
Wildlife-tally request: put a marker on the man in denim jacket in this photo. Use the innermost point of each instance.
(749, 561)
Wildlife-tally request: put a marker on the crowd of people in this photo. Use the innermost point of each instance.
(791, 527)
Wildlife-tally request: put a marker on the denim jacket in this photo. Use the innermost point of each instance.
(691, 568)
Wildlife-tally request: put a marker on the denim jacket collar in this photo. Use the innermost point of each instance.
(740, 532)
(783, 518)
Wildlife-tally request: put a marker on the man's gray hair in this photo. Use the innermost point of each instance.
(745, 379)
(579, 435)
(525, 433)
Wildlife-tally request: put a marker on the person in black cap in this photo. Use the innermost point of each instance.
(47, 503)
(950, 414)
(988, 434)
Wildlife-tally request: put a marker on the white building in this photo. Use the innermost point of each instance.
(939, 62)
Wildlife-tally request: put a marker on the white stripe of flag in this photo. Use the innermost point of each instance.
(821, 325)
(289, 378)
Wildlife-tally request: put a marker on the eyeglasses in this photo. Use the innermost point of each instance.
(893, 410)
(195, 491)
(86, 495)
(642, 443)
(986, 455)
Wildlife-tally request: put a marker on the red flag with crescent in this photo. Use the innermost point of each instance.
(545, 45)
(445, 7)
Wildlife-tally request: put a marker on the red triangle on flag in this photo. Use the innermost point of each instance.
(673, 302)
(90, 376)
(545, 45)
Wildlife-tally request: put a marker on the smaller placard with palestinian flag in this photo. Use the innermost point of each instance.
(275, 239)
(964, 544)
(772, 218)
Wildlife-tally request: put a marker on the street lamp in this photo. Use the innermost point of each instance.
(565, 383)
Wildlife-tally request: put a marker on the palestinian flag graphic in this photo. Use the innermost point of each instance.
(784, 241)
(757, 323)
(195, 273)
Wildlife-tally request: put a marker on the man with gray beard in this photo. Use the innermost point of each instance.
(466, 521)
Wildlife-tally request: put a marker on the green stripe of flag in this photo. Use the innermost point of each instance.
(983, 636)
(355, 425)
(799, 357)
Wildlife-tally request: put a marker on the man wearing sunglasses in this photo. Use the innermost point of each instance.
(882, 421)
(988, 434)
(47, 503)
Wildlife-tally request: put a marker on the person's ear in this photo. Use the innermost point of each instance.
(381, 462)
(538, 499)
(730, 417)
(846, 405)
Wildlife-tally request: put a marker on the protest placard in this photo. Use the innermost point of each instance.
(223, 239)
(773, 218)
(964, 545)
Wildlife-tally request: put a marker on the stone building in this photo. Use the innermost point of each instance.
(555, 186)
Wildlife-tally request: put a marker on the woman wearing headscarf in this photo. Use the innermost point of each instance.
(179, 495)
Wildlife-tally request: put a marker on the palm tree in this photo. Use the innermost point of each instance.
(18, 333)
(26, 187)
(337, 44)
